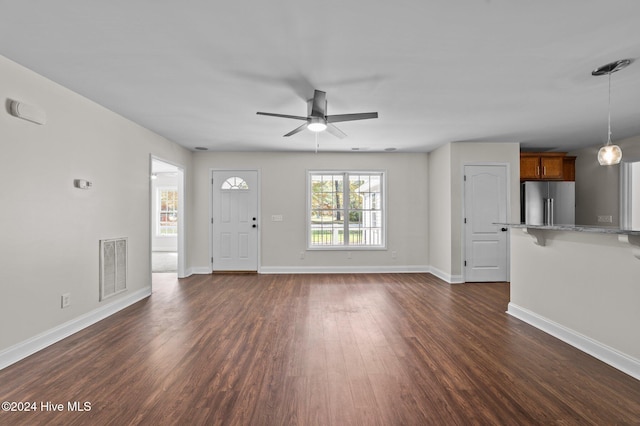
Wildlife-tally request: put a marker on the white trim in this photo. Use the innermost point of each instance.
(182, 215)
(40, 341)
(200, 270)
(604, 353)
(383, 269)
(344, 269)
(451, 279)
(626, 192)
(345, 172)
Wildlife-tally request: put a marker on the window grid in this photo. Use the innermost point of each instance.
(356, 223)
(168, 212)
(234, 183)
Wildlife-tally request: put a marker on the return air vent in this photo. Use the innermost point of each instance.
(113, 267)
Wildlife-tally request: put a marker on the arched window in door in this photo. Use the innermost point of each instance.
(234, 183)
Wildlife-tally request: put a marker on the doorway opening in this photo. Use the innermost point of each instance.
(167, 218)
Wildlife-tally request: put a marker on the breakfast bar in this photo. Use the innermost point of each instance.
(581, 285)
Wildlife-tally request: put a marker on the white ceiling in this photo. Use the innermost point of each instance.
(441, 71)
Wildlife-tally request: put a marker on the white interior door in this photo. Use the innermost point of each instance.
(486, 203)
(235, 220)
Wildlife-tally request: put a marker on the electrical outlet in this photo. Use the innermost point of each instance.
(348, 255)
(65, 300)
(276, 218)
(394, 254)
(302, 255)
(605, 219)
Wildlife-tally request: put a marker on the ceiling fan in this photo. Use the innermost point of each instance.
(317, 119)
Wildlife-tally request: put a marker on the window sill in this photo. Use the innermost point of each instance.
(347, 248)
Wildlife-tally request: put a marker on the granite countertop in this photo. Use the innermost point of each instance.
(575, 228)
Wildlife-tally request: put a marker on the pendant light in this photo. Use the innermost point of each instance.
(610, 154)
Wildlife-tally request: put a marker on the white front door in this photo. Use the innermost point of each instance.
(485, 201)
(235, 220)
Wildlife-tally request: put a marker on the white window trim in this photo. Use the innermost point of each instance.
(383, 192)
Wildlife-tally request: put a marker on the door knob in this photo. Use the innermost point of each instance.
(504, 229)
(254, 226)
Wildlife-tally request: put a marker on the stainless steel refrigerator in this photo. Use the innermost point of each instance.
(548, 203)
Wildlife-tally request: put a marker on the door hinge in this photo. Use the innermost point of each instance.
(212, 260)
(465, 263)
(465, 220)
(465, 178)
(211, 220)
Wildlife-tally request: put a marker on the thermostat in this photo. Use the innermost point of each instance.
(82, 184)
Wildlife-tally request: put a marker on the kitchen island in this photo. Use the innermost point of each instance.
(582, 285)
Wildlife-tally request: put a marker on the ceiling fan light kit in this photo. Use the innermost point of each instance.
(317, 124)
(610, 154)
(317, 119)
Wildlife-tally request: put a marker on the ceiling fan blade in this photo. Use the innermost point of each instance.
(319, 104)
(351, 117)
(296, 130)
(295, 117)
(335, 131)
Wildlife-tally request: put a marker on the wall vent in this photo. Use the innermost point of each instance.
(113, 267)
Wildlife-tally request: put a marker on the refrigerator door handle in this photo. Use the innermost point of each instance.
(548, 211)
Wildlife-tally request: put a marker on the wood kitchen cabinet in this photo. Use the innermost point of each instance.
(546, 166)
(569, 166)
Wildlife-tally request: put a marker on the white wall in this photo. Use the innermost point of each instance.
(283, 192)
(51, 229)
(581, 287)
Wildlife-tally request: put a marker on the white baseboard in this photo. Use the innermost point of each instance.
(198, 270)
(36, 343)
(342, 269)
(451, 279)
(604, 353)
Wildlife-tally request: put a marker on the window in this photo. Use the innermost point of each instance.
(167, 212)
(234, 183)
(346, 209)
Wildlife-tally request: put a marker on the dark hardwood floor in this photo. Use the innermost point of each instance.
(361, 349)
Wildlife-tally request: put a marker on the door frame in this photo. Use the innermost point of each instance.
(259, 206)
(181, 213)
(463, 234)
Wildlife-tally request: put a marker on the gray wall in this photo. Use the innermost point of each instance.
(446, 186)
(598, 187)
(583, 288)
(283, 192)
(51, 230)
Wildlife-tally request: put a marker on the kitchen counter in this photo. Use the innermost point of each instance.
(575, 228)
(538, 233)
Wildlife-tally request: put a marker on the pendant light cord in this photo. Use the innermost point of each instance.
(609, 111)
